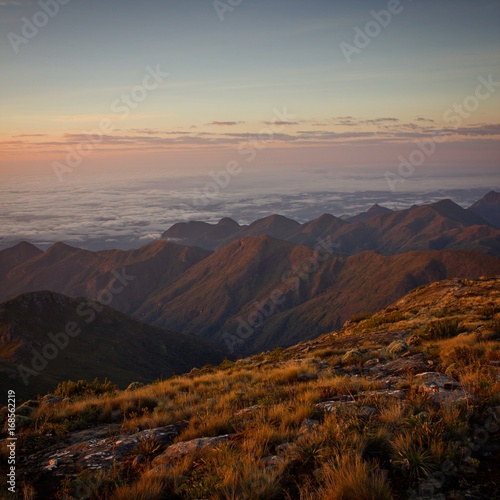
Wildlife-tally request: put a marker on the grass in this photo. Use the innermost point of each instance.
(381, 453)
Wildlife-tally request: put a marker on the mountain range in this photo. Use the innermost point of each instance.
(245, 289)
(443, 225)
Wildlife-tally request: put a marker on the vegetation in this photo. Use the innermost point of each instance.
(302, 424)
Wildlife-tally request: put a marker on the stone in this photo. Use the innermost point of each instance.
(185, 448)
(50, 399)
(308, 426)
(403, 366)
(306, 377)
(441, 388)
(385, 393)
(398, 348)
(246, 411)
(273, 461)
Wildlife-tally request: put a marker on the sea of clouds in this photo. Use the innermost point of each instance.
(126, 210)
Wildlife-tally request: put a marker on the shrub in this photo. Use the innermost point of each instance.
(82, 388)
(444, 329)
(351, 477)
(411, 456)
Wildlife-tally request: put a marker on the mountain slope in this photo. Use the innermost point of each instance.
(109, 344)
(261, 292)
(371, 212)
(417, 228)
(202, 234)
(488, 207)
(411, 389)
(16, 255)
(76, 272)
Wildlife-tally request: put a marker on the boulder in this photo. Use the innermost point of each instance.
(184, 448)
(441, 388)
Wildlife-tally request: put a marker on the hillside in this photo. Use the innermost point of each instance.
(256, 294)
(91, 340)
(488, 207)
(76, 272)
(401, 404)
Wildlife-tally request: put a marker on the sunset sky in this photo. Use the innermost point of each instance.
(235, 72)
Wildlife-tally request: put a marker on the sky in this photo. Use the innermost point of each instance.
(318, 95)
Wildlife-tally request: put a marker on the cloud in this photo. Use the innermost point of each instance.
(30, 135)
(225, 124)
(281, 123)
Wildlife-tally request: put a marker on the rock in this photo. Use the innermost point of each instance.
(339, 407)
(371, 362)
(403, 366)
(308, 426)
(162, 435)
(134, 386)
(398, 348)
(441, 388)
(384, 393)
(95, 449)
(306, 377)
(185, 448)
(246, 411)
(50, 399)
(273, 461)
(352, 356)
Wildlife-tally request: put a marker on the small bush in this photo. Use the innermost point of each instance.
(351, 477)
(387, 318)
(443, 329)
(83, 388)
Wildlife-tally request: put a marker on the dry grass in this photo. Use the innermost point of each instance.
(348, 476)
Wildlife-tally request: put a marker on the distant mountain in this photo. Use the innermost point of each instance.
(371, 212)
(311, 232)
(76, 272)
(16, 255)
(223, 284)
(266, 282)
(441, 225)
(109, 344)
(203, 234)
(488, 207)
(213, 236)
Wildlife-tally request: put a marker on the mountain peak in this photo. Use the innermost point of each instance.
(488, 207)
